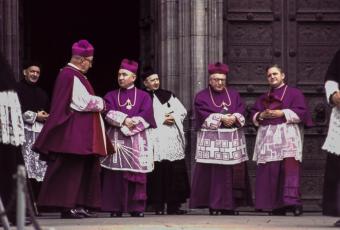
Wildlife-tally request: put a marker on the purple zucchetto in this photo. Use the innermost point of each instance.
(129, 65)
(82, 48)
(218, 67)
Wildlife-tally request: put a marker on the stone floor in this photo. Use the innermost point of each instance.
(192, 221)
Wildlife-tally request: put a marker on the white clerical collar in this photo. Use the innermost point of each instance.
(74, 66)
(280, 86)
(131, 86)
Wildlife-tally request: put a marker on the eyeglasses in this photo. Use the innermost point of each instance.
(91, 61)
(124, 74)
(218, 80)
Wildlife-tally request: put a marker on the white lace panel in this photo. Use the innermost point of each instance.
(11, 123)
(276, 142)
(332, 143)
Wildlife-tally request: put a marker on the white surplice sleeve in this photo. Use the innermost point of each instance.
(82, 101)
(330, 87)
(29, 117)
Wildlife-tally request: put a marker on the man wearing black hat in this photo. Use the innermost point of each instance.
(34, 104)
(168, 183)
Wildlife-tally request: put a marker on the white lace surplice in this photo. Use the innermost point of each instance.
(35, 168)
(219, 145)
(132, 150)
(332, 143)
(276, 142)
(168, 141)
(11, 123)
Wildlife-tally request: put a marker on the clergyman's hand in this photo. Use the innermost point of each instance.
(42, 116)
(269, 114)
(228, 120)
(336, 99)
(169, 120)
(128, 122)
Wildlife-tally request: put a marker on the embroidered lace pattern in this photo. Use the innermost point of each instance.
(276, 142)
(11, 123)
(332, 143)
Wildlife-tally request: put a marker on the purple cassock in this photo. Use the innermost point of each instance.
(73, 138)
(124, 178)
(220, 180)
(278, 148)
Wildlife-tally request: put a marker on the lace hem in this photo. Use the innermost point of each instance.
(276, 142)
(11, 123)
(332, 143)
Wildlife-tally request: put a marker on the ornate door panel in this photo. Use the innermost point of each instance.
(300, 35)
(313, 32)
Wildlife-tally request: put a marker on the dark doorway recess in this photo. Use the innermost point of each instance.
(51, 27)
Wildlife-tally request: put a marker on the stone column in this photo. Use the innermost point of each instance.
(9, 33)
(186, 36)
(189, 36)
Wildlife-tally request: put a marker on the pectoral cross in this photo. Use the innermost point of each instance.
(128, 104)
(224, 108)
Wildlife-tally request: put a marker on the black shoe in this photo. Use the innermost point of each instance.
(116, 214)
(137, 214)
(71, 214)
(337, 224)
(214, 212)
(28, 221)
(297, 210)
(177, 212)
(159, 212)
(228, 212)
(86, 213)
(278, 212)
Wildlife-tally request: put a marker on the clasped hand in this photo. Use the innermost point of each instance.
(42, 116)
(336, 99)
(269, 114)
(228, 120)
(169, 119)
(128, 122)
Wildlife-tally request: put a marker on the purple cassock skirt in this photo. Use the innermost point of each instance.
(277, 184)
(123, 191)
(71, 181)
(222, 187)
(331, 187)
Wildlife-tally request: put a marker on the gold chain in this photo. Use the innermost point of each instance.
(223, 103)
(128, 102)
(283, 94)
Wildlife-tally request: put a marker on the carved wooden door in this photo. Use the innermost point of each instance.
(300, 35)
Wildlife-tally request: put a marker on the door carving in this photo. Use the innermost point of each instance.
(300, 35)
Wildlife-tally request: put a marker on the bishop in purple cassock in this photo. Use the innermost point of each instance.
(129, 115)
(280, 115)
(220, 180)
(73, 138)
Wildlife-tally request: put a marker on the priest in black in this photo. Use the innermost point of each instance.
(331, 190)
(35, 106)
(168, 183)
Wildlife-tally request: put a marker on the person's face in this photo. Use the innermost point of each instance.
(152, 82)
(217, 81)
(125, 78)
(32, 74)
(275, 77)
(86, 63)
